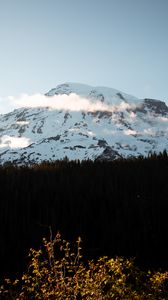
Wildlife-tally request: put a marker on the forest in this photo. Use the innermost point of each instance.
(118, 208)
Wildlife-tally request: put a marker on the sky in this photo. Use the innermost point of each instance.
(121, 44)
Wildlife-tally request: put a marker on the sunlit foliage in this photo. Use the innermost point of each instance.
(59, 271)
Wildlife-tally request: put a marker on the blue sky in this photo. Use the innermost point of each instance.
(122, 44)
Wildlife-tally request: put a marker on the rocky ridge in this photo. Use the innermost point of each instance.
(125, 126)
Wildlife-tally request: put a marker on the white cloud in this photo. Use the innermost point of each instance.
(72, 102)
(7, 141)
(130, 132)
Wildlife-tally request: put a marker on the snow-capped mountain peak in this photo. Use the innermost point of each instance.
(109, 95)
(107, 124)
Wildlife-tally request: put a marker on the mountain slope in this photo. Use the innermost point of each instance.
(114, 125)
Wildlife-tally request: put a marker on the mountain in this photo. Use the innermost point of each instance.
(103, 123)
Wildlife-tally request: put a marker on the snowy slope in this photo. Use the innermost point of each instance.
(126, 126)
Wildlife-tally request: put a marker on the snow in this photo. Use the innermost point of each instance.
(14, 142)
(42, 133)
(111, 95)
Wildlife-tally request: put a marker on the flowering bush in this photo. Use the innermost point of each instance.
(57, 272)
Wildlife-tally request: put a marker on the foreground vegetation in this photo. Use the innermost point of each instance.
(56, 271)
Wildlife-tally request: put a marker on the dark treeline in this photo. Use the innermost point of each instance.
(118, 208)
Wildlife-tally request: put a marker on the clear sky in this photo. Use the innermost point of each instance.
(122, 44)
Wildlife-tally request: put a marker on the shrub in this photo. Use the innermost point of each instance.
(57, 271)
